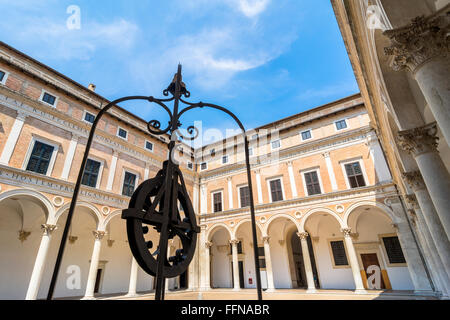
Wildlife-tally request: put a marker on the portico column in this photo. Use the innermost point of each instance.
(94, 264)
(269, 270)
(133, 278)
(234, 250)
(69, 157)
(422, 48)
(292, 180)
(230, 193)
(359, 286)
(112, 171)
(422, 144)
(207, 284)
(431, 219)
(307, 261)
(258, 186)
(13, 136)
(38, 269)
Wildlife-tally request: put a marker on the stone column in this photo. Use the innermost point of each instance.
(112, 171)
(431, 219)
(94, 264)
(13, 136)
(292, 180)
(230, 193)
(38, 269)
(422, 48)
(422, 144)
(307, 261)
(234, 250)
(330, 170)
(69, 157)
(133, 278)
(258, 186)
(207, 284)
(378, 158)
(269, 270)
(353, 260)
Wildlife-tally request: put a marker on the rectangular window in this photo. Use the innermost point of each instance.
(250, 152)
(306, 135)
(90, 175)
(190, 165)
(224, 159)
(355, 175)
(312, 183)
(393, 250)
(89, 117)
(339, 256)
(276, 144)
(122, 133)
(48, 98)
(148, 145)
(217, 201)
(129, 183)
(275, 190)
(239, 248)
(40, 158)
(341, 124)
(203, 166)
(213, 152)
(244, 194)
(2, 75)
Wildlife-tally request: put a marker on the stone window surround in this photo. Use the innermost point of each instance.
(221, 198)
(317, 170)
(44, 91)
(223, 158)
(145, 145)
(358, 159)
(205, 162)
(303, 131)
(279, 177)
(55, 146)
(122, 179)
(271, 144)
(117, 133)
(100, 170)
(346, 122)
(385, 255)
(239, 187)
(84, 116)
(3, 82)
(329, 240)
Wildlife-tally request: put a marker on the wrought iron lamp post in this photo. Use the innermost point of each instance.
(155, 201)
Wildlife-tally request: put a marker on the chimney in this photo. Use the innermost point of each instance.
(91, 87)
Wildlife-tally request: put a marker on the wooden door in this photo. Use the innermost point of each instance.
(370, 259)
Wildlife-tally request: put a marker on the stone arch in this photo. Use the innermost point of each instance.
(275, 217)
(383, 208)
(108, 219)
(49, 208)
(214, 228)
(320, 210)
(94, 211)
(236, 228)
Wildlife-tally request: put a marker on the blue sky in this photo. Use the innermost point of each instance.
(263, 59)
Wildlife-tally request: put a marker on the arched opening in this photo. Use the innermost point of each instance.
(220, 267)
(21, 217)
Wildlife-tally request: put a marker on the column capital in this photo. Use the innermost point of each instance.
(289, 163)
(234, 241)
(423, 39)
(412, 201)
(265, 239)
(419, 140)
(98, 234)
(257, 171)
(326, 154)
(21, 115)
(347, 232)
(48, 228)
(115, 153)
(229, 179)
(75, 136)
(208, 244)
(414, 180)
(302, 235)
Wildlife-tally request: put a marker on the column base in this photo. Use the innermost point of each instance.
(88, 298)
(360, 291)
(311, 290)
(426, 293)
(131, 295)
(269, 290)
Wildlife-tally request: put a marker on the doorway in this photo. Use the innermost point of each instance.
(371, 259)
(98, 279)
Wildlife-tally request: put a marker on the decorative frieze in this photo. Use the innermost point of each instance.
(419, 140)
(425, 38)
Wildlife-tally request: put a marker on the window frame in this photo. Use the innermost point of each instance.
(303, 131)
(363, 170)
(239, 195)
(118, 130)
(43, 92)
(51, 164)
(145, 145)
(272, 141)
(84, 117)
(305, 189)
(333, 263)
(192, 165)
(225, 157)
(100, 171)
(5, 77)
(270, 191)
(385, 254)
(212, 200)
(339, 120)
(136, 183)
(205, 162)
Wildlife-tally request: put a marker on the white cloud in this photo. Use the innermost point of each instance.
(252, 8)
(343, 89)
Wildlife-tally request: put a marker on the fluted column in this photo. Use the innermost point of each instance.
(269, 270)
(422, 144)
(133, 278)
(423, 48)
(307, 261)
(353, 260)
(438, 235)
(207, 284)
(94, 264)
(234, 251)
(38, 269)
